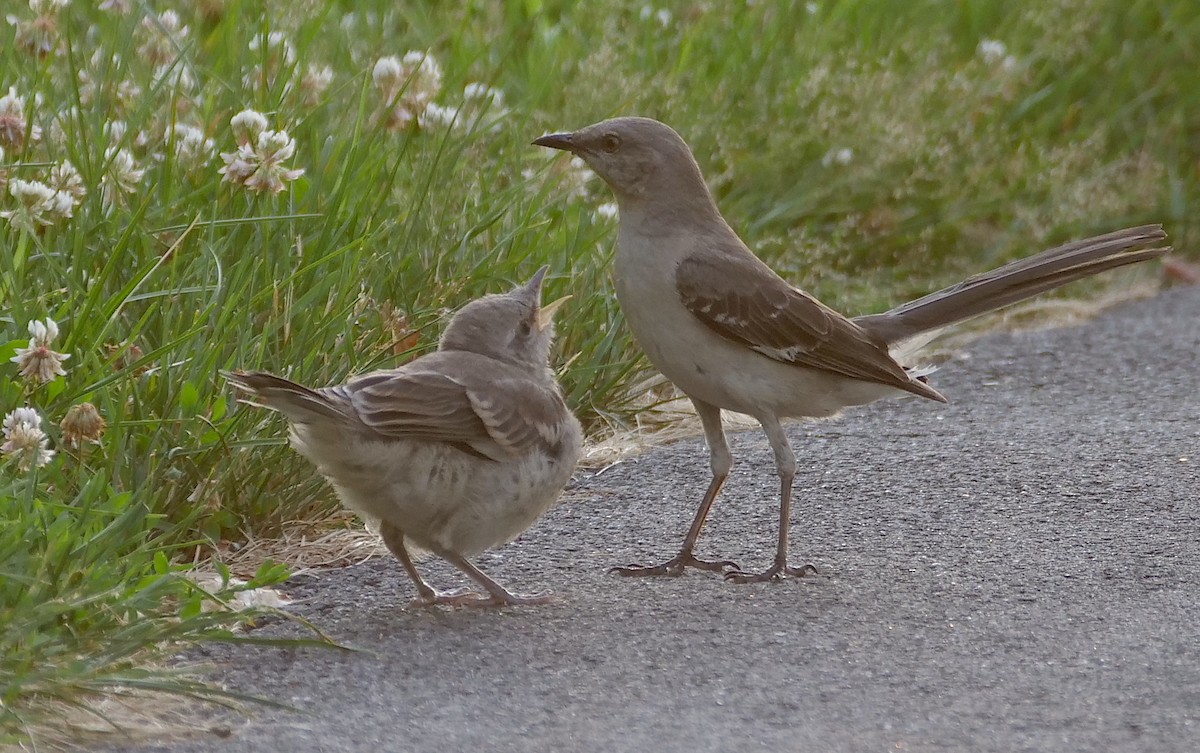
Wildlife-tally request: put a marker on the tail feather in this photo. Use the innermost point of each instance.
(300, 404)
(1015, 282)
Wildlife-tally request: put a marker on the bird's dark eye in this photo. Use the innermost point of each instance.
(612, 142)
(523, 329)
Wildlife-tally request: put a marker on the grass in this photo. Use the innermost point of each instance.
(870, 150)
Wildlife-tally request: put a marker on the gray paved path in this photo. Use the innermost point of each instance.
(1016, 571)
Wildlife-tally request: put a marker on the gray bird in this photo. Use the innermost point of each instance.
(733, 335)
(453, 453)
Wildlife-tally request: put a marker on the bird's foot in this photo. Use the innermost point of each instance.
(467, 598)
(460, 597)
(508, 599)
(675, 566)
(779, 570)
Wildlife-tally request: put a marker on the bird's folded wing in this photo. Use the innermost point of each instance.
(741, 299)
(492, 416)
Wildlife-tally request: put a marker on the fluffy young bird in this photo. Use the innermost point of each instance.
(456, 452)
(733, 335)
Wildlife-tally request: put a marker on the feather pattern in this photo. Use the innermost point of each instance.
(740, 298)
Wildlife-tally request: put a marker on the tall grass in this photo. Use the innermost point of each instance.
(868, 149)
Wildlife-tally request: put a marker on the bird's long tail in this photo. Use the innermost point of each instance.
(1015, 282)
(300, 404)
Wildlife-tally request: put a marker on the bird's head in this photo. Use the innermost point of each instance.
(637, 157)
(513, 326)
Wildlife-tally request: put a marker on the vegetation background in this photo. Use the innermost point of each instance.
(868, 149)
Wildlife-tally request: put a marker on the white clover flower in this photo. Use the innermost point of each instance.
(38, 35)
(120, 7)
(39, 362)
(128, 93)
(48, 6)
(424, 74)
(192, 147)
(408, 85)
(61, 205)
(64, 178)
(577, 176)
(122, 176)
(388, 76)
(279, 50)
(838, 156)
(662, 15)
(574, 174)
(607, 211)
(991, 51)
(115, 130)
(56, 132)
(25, 440)
(811, 8)
(171, 76)
(476, 92)
(260, 167)
(435, 116)
(314, 83)
(34, 203)
(482, 102)
(247, 125)
(68, 187)
(276, 57)
(163, 36)
(12, 122)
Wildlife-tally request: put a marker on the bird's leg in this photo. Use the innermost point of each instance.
(721, 461)
(498, 596)
(785, 464)
(393, 539)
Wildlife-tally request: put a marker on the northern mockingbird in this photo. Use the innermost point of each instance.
(456, 452)
(733, 335)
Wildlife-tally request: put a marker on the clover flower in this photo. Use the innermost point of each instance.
(38, 35)
(257, 164)
(83, 423)
(192, 147)
(407, 85)
(39, 362)
(25, 440)
(36, 204)
(12, 122)
(163, 36)
(314, 83)
(122, 176)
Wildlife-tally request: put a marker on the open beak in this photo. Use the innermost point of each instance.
(535, 283)
(545, 314)
(563, 141)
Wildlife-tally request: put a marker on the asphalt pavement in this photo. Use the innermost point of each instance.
(1018, 570)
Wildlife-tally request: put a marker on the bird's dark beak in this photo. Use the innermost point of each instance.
(563, 141)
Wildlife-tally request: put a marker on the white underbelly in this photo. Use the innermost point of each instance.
(438, 495)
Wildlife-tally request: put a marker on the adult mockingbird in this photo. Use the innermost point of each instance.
(733, 335)
(455, 452)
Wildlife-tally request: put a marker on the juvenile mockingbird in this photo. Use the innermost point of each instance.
(456, 452)
(733, 335)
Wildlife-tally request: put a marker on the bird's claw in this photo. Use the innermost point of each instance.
(674, 567)
(776, 572)
(468, 598)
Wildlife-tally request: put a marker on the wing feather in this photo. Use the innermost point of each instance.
(741, 299)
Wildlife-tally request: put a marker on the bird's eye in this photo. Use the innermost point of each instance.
(523, 329)
(612, 142)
